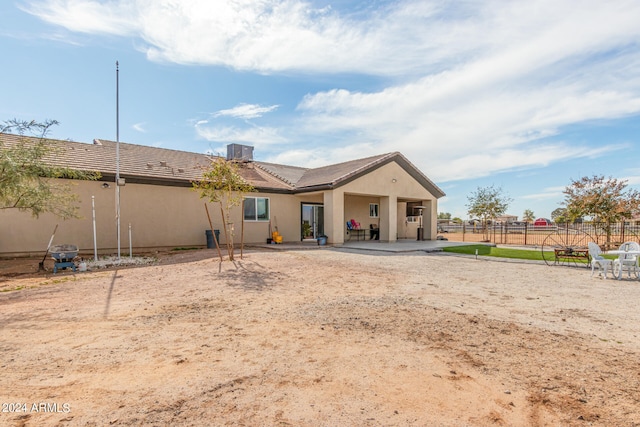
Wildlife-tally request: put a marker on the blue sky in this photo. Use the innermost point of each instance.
(520, 95)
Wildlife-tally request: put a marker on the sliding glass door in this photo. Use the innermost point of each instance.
(312, 221)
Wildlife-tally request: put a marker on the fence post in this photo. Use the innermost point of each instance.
(526, 228)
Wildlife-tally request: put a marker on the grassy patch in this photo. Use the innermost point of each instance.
(484, 250)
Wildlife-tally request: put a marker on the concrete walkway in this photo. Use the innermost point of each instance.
(403, 245)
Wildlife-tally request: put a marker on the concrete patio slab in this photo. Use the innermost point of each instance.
(400, 246)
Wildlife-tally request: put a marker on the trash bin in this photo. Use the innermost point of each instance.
(210, 243)
(322, 240)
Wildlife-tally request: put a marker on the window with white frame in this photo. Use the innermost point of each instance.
(373, 210)
(256, 209)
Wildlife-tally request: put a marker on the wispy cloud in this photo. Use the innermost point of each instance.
(88, 16)
(214, 130)
(257, 136)
(549, 193)
(139, 127)
(246, 111)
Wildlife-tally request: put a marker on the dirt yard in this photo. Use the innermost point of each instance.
(319, 337)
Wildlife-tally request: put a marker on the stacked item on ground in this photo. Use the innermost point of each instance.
(276, 237)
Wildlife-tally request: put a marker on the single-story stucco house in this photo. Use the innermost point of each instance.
(162, 210)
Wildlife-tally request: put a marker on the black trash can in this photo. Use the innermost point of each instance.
(420, 233)
(210, 243)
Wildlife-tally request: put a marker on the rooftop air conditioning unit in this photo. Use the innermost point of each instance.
(239, 152)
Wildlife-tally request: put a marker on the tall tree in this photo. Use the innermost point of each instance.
(222, 183)
(26, 171)
(444, 215)
(559, 215)
(604, 200)
(528, 215)
(487, 203)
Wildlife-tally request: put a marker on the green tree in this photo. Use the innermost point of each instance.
(559, 215)
(528, 215)
(27, 175)
(487, 203)
(604, 200)
(222, 183)
(444, 215)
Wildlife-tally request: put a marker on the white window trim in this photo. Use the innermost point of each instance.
(254, 199)
(377, 210)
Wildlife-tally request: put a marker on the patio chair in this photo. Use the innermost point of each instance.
(597, 260)
(627, 262)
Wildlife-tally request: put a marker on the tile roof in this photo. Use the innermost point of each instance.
(331, 176)
(144, 164)
(338, 173)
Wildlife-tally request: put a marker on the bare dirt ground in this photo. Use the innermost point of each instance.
(322, 337)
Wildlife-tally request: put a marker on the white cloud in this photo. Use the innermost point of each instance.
(88, 16)
(140, 127)
(472, 88)
(398, 39)
(319, 156)
(245, 111)
(256, 136)
(549, 193)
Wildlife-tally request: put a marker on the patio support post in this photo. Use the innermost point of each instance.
(430, 221)
(389, 218)
(334, 222)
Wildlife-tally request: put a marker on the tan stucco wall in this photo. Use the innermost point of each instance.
(160, 216)
(357, 208)
(169, 217)
(388, 185)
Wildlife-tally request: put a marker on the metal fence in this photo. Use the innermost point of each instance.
(536, 235)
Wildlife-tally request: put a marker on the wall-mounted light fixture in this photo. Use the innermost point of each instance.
(105, 185)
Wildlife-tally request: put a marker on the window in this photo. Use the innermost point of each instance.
(373, 210)
(256, 209)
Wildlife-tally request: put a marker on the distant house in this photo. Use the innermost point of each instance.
(506, 219)
(164, 212)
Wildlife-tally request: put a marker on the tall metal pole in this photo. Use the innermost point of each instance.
(118, 156)
(95, 243)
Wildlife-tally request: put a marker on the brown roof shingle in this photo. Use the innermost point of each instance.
(144, 164)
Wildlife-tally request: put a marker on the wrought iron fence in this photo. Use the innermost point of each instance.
(524, 234)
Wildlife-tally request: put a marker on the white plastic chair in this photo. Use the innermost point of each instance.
(597, 260)
(627, 262)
